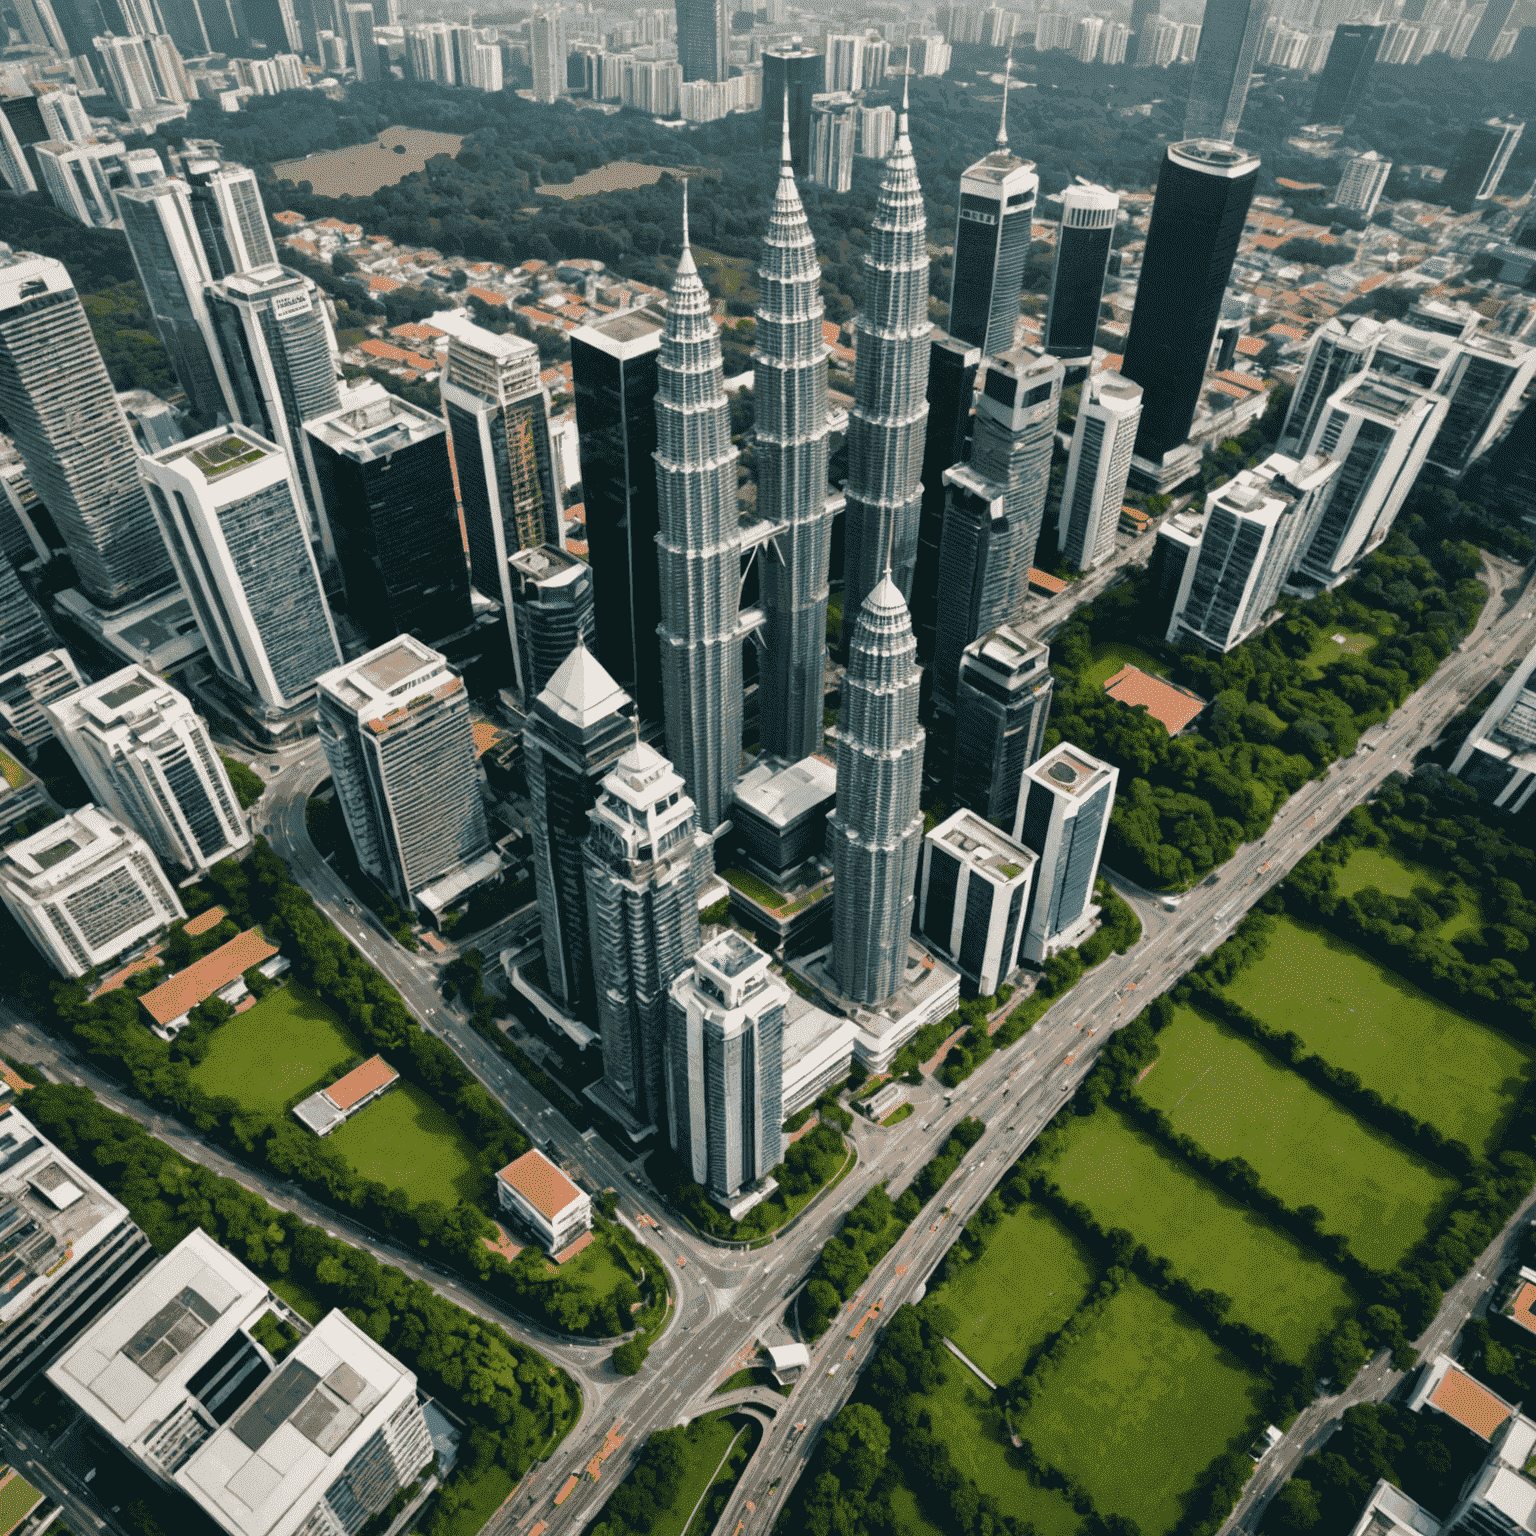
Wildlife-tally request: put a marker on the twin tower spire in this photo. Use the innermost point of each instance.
(876, 832)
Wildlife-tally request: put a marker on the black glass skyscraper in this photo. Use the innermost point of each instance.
(613, 365)
(1083, 240)
(1479, 165)
(1230, 34)
(802, 73)
(1203, 192)
(1351, 57)
(703, 35)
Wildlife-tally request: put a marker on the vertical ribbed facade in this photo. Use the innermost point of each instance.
(890, 411)
(978, 573)
(789, 392)
(875, 835)
(698, 551)
(1002, 703)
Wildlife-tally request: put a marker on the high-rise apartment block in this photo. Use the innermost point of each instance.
(63, 414)
(1204, 189)
(725, 1066)
(790, 400)
(176, 1377)
(703, 39)
(1491, 25)
(833, 131)
(1484, 384)
(1064, 803)
(231, 512)
(231, 218)
(613, 366)
(25, 689)
(23, 630)
(143, 73)
(381, 467)
(874, 132)
(498, 416)
(1480, 162)
(85, 889)
(1364, 180)
(975, 883)
(1103, 440)
(576, 731)
(144, 751)
(1342, 83)
(644, 858)
(280, 357)
(1256, 526)
(71, 1250)
(1339, 349)
(1002, 703)
(875, 835)
(547, 41)
(1083, 240)
(1230, 33)
(552, 612)
(362, 44)
(78, 177)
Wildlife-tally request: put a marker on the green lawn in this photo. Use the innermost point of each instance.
(597, 1267)
(405, 1141)
(287, 1045)
(1415, 1051)
(1237, 1101)
(483, 1497)
(1394, 875)
(1126, 1180)
(303, 1301)
(709, 1438)
(758, 890)
(910, 1520)
(1356, 643)
(1031, 1278)
(965, 1419)
(1110, 655)
(1139, 1407)
(18, 1498)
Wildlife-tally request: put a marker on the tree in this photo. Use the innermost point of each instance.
(1296, 1509)
(629, 1357)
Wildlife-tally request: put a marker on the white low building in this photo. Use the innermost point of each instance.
(534, 1190)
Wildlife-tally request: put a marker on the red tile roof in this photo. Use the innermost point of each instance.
(487, 295)
(1171, 706)
(411, 331)
(375, 1073)
(1290, 332)
(377, 284)
(383, 349)
(1249, 346)
(205, 922)
(288, 216)
(1470, 1403)
(186, 989)
(1043, 581)
(1520, 1307)
(540, 1183)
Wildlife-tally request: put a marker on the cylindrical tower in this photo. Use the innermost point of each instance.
(1077, 279)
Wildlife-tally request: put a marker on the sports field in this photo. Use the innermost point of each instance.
(266, 1057)
(1029, 1280)
(1139, 1407)
(1127, 1181)
(405, 1141)
(1411, 1048)
(977, 1437)
(1110, 655)
(1236, 1101)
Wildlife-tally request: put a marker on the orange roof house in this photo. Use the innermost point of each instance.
(169, 1004)
(386, 352)
(487, 295)
(533, 1190)
(322, 1112)
(1450, 1390)
(1171, 706)
(378, 284)
(204, 922)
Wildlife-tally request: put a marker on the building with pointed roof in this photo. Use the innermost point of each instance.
(890, 411)
(789, 392)
(577, 730)
(875, 835)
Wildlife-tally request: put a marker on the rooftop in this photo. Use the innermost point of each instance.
(540, 1183)
(972, 838)
(375, 1073)
(1170, 705)
(1470, 1403)
(1068, 769)
(781, 795)
(186, 989)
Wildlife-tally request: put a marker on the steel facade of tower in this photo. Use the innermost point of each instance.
(644, 855)
(1351, 58)
(1203, 192)
(875, 834)
(63, 415)
(23, 631)
(890, 411)
(1002, 703)
(1230, 34)
(1083, 241)
(703, 36)
(698, 551)
(789, 393)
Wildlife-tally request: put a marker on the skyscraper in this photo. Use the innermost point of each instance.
(800, 71)
(789, 393)
(1103, 440)
(1083, 240)
(875, 834)
(63, 414)
(613, 365)
(890, 406)
(644, 854)
(992, 232)
(1141, 10)
(725, 1065)
(363, 45)
(15, 160)
(952, 369)
(1002, 703)
(231, 513)
(279, 353)
(84, 889)
(698, 551)
(1494, 20)
(1339, 349)
(172, 267)
(552, 612)
(577, 730)
(1363, 182)
(381, 467)
(547, 43)
(145, 752)
(1479, 165)
(498, 415)
(1379, 431)
(1486, 382)
(230, 216)
(1230, 34)
(397, 735)
(833, 130)
(24, 633)
(76, 177)
(703, 37)
(1350, 61)
(1203, 193)
(978, 573)
(1064, 804)
(1011, 441)
(27, 687)
(1255, 527)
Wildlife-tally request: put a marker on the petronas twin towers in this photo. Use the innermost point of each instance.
(877, 828)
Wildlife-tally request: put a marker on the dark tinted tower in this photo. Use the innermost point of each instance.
(1350, 60)
(803, 73)
(1077, 279)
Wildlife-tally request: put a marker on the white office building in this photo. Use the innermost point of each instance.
(834, 127)
(85, 889)
(1338, 351)
(176, 1378)
(1064, 803)
(1098, 467)
(231, 217)
(1255, 526)
(1498, 758)
(536, 1193)
(24, 690)
(144, 751)
(229, 506)
(76, 177)
(971, 898)
(1363, 182)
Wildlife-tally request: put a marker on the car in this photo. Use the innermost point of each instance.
(835, 1369)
